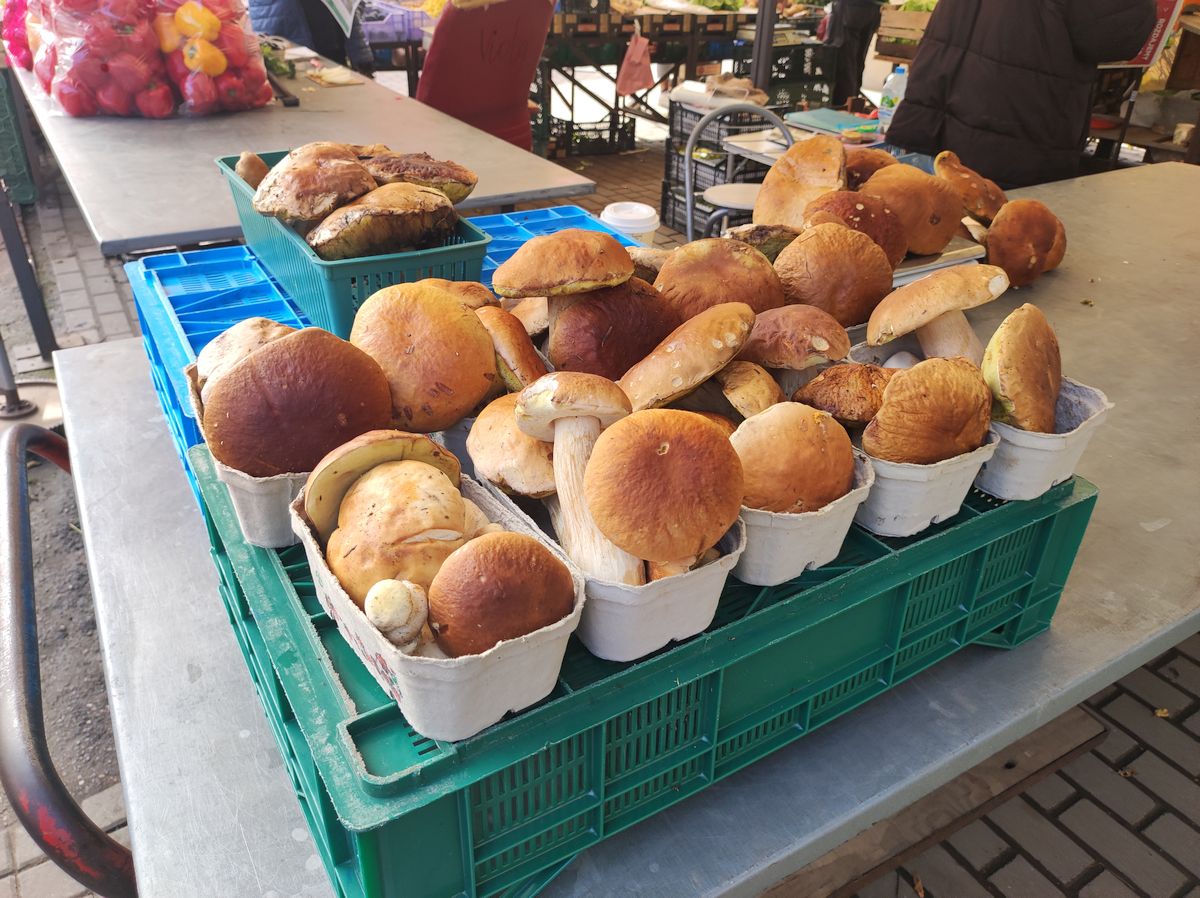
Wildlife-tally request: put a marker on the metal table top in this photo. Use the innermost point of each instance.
(143, 184)
(211, 813)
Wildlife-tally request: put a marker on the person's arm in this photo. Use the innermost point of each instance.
(1109, 30)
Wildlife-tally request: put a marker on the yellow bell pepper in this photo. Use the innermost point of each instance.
(201, 56)
(169, 37)
(193, 20)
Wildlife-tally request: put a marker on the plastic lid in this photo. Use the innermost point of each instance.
(901, 70)
(630, 218)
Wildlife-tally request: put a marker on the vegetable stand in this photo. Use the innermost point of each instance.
(1131, 595)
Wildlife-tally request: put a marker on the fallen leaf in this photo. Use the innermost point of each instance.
(918, 886)
(1087, 302)
(1127, 772)
(1161, 712)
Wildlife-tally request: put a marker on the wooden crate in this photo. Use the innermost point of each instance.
(899, 34)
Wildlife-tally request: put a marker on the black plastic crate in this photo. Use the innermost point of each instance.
(612, 134)
(683, 119)
(795, 62)
(673, 212)
(708, 173)
(582, 6)
(805, 94)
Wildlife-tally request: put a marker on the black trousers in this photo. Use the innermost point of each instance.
(857, 23)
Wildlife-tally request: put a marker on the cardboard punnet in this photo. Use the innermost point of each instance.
(1027, 464)
(450, 698)
(260, 503)
(782, 546)
(907, 498)
(624, 623)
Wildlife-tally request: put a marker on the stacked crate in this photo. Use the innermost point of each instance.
(801, 74)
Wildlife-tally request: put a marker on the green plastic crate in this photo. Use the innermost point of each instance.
(616, 743)
(329, 293)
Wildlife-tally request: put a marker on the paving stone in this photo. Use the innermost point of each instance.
(1115, 792)
(1106, 886)
(1155, 691)
(1191, 647)
(1019, 879)
(107, 808)
(73, 300)
(8, 887)
(1192, 724)
(102, 284)
(1184, 673)
(1163, 736)
(47, 880)
(121, 835)
(115, 325)
(69, 280)
(890, 886)
(1041, 839)
(1168, 784)
(942, 875)
(1122, 850)
(1051, 792)
(64, 266)
(108, 302)
(1177, 839)
(79, 319)
(979, 844)
(24, 850)
(1107, 694)
(1117, 745)
(6, 860)
(92, 268)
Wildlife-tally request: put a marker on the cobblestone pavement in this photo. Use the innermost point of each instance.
(1123, 820)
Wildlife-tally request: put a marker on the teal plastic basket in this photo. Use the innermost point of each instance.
(329, 293)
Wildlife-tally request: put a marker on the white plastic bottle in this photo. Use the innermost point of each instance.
(893, 94)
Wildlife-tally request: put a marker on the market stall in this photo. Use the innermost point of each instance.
(1131, 595)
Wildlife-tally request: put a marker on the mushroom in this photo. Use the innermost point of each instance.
(864, 213)
(517, 362)
(707, 273)
(532, 314)
(1023, 368)
(932, 306)
(471, 294)
(808, 169)
(770, 240)
(837, 269)
(749, 388)
(851, 393)
(929, 209)
(504, 455)
(399, 609)
(571, 409)
(794, 338)
(1026, 239)
(981, 198)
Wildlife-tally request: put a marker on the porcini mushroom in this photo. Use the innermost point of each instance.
(749, 388)
(706, 273)
(504, 455)
(517, 362)
(1026, 239)
(981, 198)
(837, 269)
(933, 307)
(570, 409)
(808, 169)
(794, 338)
(398, 609)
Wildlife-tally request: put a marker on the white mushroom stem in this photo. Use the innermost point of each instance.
(581, 539)
(977, 229)
(950, 335)
(399, 609)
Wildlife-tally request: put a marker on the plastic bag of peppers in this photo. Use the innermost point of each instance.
(16, 44)
(212, 55)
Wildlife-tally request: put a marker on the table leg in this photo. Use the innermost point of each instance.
(27, 282)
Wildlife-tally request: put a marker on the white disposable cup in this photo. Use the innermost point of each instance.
(635, 220)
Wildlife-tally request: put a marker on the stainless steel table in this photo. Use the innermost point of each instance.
(211, 812)
(143, 184)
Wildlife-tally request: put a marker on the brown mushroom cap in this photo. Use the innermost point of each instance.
(663, 484)
(749, 388)
(851, 393)
(865, 213)
(517, 362)
(937, 409)
(438, 358)
(917, 303)
(838, 270)
(474, 294)
(862, 162)
(726, 426)
(808, 169)
(570, 261)
(568, 394)
(533, 313)
(705, 273)
(1023, 368)
(794, 459)
(795, 337)
(608, 331)
(231, 346)
(498, 586)
(981, 198)
(1026, 239)
(690, 355)
(503, 454)
(928, 208)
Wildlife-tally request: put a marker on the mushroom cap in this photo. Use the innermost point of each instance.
(928, 208)
(503, 454)
(570, 261)
(838, 270)
(809, 168)
(231, 346)
(937, 409)
(663, 484)
(861, 212)
(917, 303)
(1026, 239)
(749, 388)
(862, 162)
(706, 273)
(690, 355)
(795, 337)
(568, 394)
(437, 355)
(725, 425)
(981, 198)
(533, 313)
(851, 393)
(794, 459)
(473, 293)
(517, 361)
(608, 331)
(1023, 368)
(498, 586)
(768, 239)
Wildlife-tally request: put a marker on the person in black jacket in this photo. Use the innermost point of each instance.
(852, 24)
(1006, 84)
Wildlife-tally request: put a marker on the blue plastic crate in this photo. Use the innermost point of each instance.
(184, 300)
(511, 230)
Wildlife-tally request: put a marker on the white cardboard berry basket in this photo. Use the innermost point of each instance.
(1026, 464)
(624, 623)
(782, 546)
(261, 503)
(450, 698)
(907, 498)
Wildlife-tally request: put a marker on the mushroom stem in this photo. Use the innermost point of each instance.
(977, 229)
(950, 335)
(660, 571)
(580, 537)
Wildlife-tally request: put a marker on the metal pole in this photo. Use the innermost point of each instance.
(764, 43)
(11, 403)
(27, 282)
